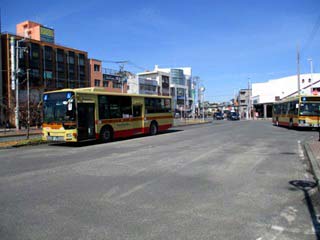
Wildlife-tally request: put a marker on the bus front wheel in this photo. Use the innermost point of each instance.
(106, 134)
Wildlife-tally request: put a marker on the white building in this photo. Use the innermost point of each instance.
(264, 94)
(161, 77)
(140, 85)
(176, 82)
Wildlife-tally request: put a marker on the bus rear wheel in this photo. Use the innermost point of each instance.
(153, 129)
(291, 123)
(106, 134)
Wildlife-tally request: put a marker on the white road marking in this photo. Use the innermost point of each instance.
(277, 228)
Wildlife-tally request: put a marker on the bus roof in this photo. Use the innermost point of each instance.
(102, 91)
(289, 99)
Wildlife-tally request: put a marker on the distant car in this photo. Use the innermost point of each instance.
(233, 116)
(218, 116)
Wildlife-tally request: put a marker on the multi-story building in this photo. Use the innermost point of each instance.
(31, 56)
(243, 102)
(162, 79)
(111, 80)
(176, 82)
(141, 85)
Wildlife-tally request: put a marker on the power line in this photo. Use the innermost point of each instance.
(137, 66)
(312, 35)
(122, 62)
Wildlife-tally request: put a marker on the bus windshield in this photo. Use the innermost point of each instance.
(309, 109)
(59, 107)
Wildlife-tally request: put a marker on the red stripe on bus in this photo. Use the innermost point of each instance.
(160, 117)
(134, 131)
(286, 124)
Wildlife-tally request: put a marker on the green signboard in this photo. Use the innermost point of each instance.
(46, 34)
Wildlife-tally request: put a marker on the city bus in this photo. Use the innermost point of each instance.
(75, 115)
(297, 111)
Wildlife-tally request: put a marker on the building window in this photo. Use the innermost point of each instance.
(81, 59)
(35, 78)
(309, 80)
(105, 83)
(96, 68)
(97, 83)
(60, 55)
(116, 84)
(71, 57)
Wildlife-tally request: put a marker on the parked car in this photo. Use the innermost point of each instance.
(218, 116)
(233, 116)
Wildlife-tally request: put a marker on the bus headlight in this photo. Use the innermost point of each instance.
(69, 135)
(302, 121)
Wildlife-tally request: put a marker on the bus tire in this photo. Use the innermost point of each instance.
(106, 134)
(153, 130)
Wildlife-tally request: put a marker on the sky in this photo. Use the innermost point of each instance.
(227, 43)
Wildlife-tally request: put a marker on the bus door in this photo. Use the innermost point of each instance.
(86, 127)
(137, 123)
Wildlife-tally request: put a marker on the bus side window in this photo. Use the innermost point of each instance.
(137, 111)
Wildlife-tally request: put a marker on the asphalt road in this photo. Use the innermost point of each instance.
(225, 180)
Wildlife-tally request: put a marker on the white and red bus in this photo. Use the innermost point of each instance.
(297, 111)
(73, 115)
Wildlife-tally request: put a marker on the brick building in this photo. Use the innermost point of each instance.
(111, 80)
(50, 67)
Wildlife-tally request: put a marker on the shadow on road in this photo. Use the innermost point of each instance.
(301, 129)
(305, 186)
(96, 142)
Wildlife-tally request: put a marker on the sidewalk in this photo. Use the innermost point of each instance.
(12, 132)
(12, 137)
(190, 121)
(312, 149)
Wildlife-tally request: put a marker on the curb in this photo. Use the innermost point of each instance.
(315, 168)
(18, 135)
(191, 124)
(20, 144)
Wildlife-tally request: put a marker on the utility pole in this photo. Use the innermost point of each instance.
(28, 104)
(248, 101)
(202, 89)
(16, 71)
(311, 68)
(121, 75)
(298, 70)
(193, 86)
(185, 99)
(199, 96)
(2, 119)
